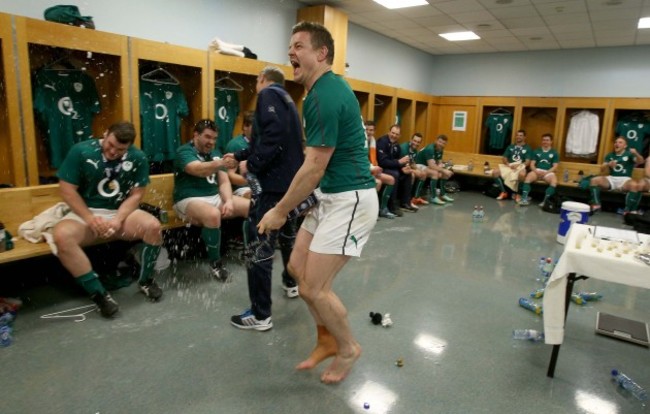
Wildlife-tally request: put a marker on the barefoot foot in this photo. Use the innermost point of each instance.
(341, 366)
(322, 351)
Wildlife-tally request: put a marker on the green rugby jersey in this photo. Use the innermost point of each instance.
(187, 185)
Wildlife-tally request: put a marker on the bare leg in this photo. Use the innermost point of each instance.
(320, 271)
(325, 342)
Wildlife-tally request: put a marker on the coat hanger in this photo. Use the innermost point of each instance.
(159, 75)
(501, 111)
(541, 112)
(62, 64)
(378, 102)
(228, 83)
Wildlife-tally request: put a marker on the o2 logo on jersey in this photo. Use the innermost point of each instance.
(160, 111)
(108, 189)
(66, 108)
(632, 135)
(223, 114)
(212, 179)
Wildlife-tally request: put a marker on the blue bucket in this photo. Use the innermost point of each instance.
(571, 212)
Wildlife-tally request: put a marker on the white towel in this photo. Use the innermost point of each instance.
(511, 177)
(40, 227)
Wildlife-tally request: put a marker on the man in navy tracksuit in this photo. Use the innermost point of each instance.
(274, 156)
(389, 157)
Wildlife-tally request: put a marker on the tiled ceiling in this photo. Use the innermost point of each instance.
(504, 25)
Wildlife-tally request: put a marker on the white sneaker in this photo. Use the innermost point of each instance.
(248, 321)
(291, 292)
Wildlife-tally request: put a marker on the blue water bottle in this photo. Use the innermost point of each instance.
(530, 305)
(628, 384)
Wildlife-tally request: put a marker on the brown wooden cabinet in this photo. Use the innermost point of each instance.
(12, 161)
(102, 56)
(189, 67)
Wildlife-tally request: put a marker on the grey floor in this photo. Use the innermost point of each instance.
(450, 285)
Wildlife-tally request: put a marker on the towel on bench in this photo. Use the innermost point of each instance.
(511, 177)
(40, 227)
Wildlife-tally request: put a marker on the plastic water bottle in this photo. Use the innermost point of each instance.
(530, 305)
(254, 184)
(3, 238)
(486, 167)
(565, 177)
(590, 296)
(303, 207)
(470, 165)
(5, 334)
(475, 214)
(528, 335)
(537, 293)
(577, 299)
(547, 267)
(628, 384)
(481, 213)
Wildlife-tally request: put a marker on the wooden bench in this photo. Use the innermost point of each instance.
(461, 160)
(18, 205)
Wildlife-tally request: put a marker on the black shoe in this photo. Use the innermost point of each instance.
(106, 304)
(397, 212)
(219, 272)
(408, 208)
(151, 290)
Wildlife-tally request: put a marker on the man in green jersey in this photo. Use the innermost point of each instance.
(411, 150)
(202, 191)
(241, 142)
(429, 160)
(103, 181)
(515, 160)
(542, 167)
(617, 170)
(340, 225)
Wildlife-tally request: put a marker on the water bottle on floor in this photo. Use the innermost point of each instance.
(475, 214)
(628, 384)
(530, 305)
(528, 335)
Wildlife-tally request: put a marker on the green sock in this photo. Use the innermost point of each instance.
(385, 195)
(90, 282)
(212, 239)
(632, 201)
(549, 192)
(244, 229)
(500, 182)
(443, 182)
(525, 189)
(148, 261)
(433, 184)
(418, 188)
(595, 194)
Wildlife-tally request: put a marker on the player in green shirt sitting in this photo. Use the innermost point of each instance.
(542, 167)
(617, 170)
(103, 181)
(202, 191)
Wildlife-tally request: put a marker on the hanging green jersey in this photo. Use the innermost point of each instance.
(499, 127)
(634, 133)
(161, 108)
(624, 164)
(187, 185)
(226, 104)
(65, 103)
(430, 152)
(516, 153)
(332, 118)
(544, 160)
(102, 183)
